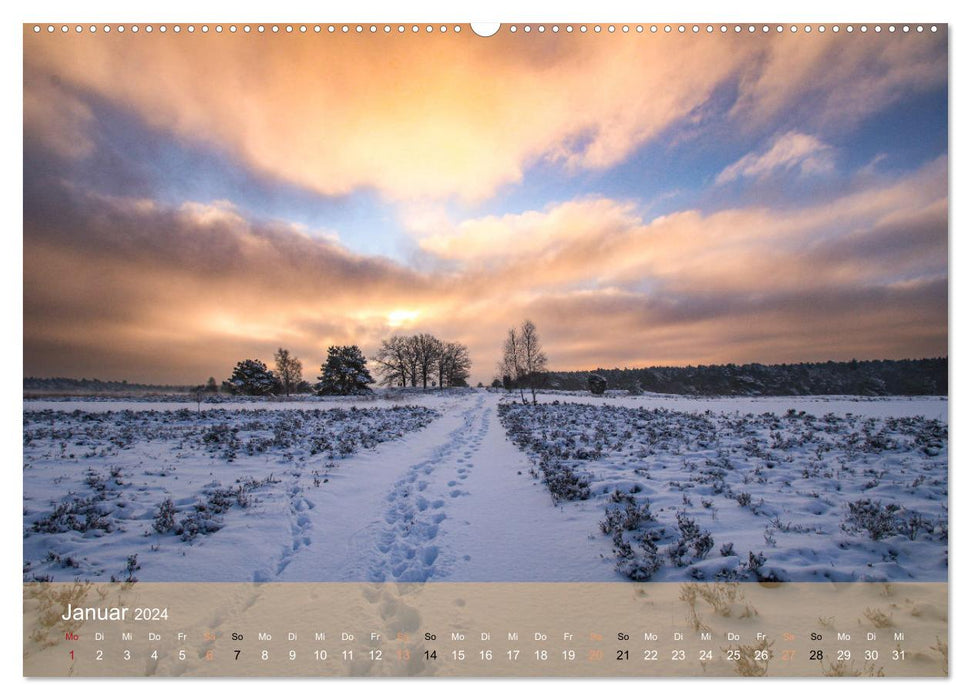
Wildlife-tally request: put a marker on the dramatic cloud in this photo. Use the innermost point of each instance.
(440, 115)
(487, 181)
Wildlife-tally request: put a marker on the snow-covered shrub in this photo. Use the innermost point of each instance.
(220, 500)
(702, 544)
(638, 564)
(692, 539)
(96, 482)
(131, 566)
(78, 514)
(623, 513)
(222, 436)
(164, 517)
(876, 519)
(754, 564)
(916, 525)
(287, 426)
(67, 562)
(197, 522)
(564, 483)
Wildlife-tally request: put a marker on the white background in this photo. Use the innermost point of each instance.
(602, 11)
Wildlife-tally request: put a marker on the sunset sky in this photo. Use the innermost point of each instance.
(194, 200)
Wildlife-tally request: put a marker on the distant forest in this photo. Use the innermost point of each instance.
(858, 378)
(64, 385)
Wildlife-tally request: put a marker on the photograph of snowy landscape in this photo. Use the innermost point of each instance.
(421, 306)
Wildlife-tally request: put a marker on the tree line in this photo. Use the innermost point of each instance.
(54, 386)
(924, 377)
(417, 360)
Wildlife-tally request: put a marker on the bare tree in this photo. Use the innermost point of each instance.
(453, 365)
(509, 365)
(533, 357)
(288, 369)
(396, 362)
(426, 350)
(523, 359)
(417, 359)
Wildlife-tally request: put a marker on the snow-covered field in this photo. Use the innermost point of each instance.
(474, 487)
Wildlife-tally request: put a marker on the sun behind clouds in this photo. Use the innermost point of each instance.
(402, 317)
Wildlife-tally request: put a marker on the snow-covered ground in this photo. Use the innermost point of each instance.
(440, 488)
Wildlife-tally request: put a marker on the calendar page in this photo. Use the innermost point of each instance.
(513, 350)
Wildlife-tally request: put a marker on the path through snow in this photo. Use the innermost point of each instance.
(453, 502)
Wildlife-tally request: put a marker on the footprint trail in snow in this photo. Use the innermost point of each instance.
(407, 547)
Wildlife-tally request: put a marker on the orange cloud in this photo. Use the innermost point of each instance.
(532, 233)
(432, 116)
